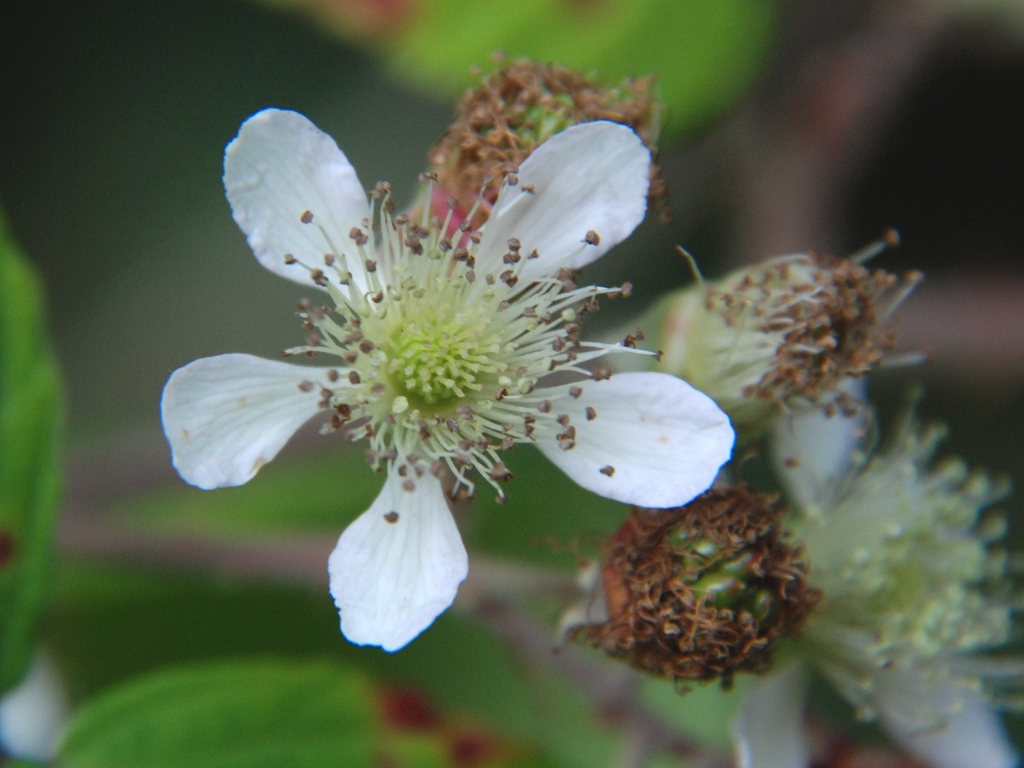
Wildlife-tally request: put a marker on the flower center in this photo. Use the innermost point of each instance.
(441, 364)
(440, 359)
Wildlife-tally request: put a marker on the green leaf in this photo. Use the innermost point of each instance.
(30, 415)
(704, 53)
(706, 712)
(240, 714)
(108, 625)
(548, 519)
(322, 491)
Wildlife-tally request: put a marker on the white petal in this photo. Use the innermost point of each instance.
(664, 439)
(592, 176)
(227, 416)
(391, 576)
(280, 166)
(973, 737)
(770, 732)
(822, 446)
(33, 715)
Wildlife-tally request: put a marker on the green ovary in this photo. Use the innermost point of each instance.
(438, 361)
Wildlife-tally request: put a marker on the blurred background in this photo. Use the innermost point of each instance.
(789, 126)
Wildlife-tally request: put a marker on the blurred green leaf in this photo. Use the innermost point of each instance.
(546, 520)
(322, 491)
(704, 53)
(107, 626)
(30, 415)
(229, 715)
(706, 712)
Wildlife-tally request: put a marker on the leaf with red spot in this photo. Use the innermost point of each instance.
(29, 477)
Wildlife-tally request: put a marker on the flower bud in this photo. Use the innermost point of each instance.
(700, 592)
(782, 333)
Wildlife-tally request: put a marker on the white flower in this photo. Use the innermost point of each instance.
(33, 714)
(901, 556)
(445, 340)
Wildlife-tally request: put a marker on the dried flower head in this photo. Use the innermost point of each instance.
(700, 592)
(500, 122)
(786, 331)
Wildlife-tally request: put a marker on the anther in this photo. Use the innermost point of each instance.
(289, 259)
(602, 374)
(332, 375)
(391, 517)
(350, 356)
(592, 238)
(591, 413)
(514, 244)
(353, 378)
(371, 265)
(575, 392)
(306, 217)
(608, 470)
(408, 485)
(500, 473)
(544, 406)
(306, 386)
(366, 346)
(563, 419)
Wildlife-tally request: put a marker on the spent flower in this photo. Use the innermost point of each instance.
(782, 333)
(699, 592)
(515, 109)
(451, 346)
